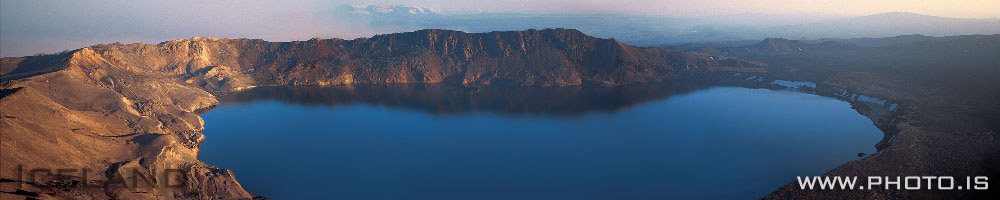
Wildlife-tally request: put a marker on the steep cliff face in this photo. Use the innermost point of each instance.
(84, 112)
(115, 108)
(547, 57)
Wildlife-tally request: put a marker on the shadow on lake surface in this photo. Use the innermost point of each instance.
(457, 99)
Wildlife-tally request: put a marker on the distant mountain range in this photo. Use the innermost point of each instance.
(888, 25)
(382, 11)
(657, 30)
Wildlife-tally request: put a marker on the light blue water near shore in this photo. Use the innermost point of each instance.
(720, 142)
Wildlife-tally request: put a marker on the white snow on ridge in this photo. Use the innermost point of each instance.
(367, 9)
(793, 84)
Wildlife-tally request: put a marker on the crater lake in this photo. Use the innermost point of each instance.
(651, 141)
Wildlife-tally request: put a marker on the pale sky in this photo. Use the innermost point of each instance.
(944, 8)
(32, 26)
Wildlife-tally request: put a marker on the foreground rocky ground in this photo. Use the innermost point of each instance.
(119, 109)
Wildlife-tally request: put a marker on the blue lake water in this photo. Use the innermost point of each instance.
(442, 142)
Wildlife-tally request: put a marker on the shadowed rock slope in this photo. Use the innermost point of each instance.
(119, 108)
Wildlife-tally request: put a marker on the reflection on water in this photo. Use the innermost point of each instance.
(451, 99)
(657, 141)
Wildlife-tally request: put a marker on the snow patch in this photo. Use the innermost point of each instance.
(793, 84)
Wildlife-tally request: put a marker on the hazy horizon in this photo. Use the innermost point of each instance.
(31, 27)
